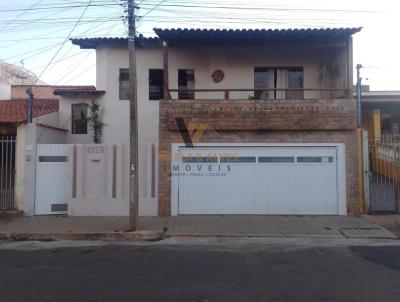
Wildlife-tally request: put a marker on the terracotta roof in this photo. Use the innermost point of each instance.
(15, 111)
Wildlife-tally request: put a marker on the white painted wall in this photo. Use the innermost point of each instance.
(65, 115)
(238, 65)
(116, 113)
(20, 167)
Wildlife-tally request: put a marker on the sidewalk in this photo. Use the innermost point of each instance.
(154, 228)
(388, 221)
(72, 228)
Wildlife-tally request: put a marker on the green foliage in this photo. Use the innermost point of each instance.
(95, 122)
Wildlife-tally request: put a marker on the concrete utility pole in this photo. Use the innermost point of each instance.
(133, 127)
(29, 106)
(358, 93)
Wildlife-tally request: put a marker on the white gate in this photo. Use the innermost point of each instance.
(257, 180)
(51, 179)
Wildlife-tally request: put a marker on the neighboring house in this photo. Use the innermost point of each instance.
(14, 75)
(271, 113)
(381, 113)
(51, 126)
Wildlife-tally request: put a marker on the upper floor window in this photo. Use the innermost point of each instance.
(124, 84)
(186, 84)
(79, 118)
(279, 79)
(156, 84)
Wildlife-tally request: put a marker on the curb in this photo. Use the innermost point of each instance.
(108, 236)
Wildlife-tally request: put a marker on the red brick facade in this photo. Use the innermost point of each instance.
(255, 121)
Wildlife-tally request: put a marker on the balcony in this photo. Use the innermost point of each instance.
(252, 114)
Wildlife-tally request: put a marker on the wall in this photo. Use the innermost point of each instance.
(238, 65)
(50, 119)
(322, 121)
(5, 90)
(28, 136)
(39, 91)
(20, 167)
(65, 115)
(97, 186)
(116, 115)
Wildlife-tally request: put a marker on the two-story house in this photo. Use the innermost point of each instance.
(270, 114)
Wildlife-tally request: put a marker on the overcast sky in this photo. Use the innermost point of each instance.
(33, 31)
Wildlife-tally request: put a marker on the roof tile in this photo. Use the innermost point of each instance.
(15, 111)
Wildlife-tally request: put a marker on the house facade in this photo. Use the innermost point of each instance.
(235, 121)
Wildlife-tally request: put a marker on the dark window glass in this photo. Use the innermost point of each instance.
(260, 82)
(280, 79)
(275, 159)
(315, 159)
(79, 119)
(124, 84)
(156, 84)
(295, 80)
(238, 159)
(199, 159)
(186, 84)
(53, 159)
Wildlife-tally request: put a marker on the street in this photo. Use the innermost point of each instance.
(255, 271)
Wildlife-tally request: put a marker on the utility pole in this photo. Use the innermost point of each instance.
(133, 122)
(358, 94)
(29, 106)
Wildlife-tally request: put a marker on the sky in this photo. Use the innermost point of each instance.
(34, 34)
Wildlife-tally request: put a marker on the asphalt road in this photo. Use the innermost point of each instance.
(202, 273)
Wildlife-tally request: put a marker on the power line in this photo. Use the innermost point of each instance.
(55, 7)
(69, 35)
(20, 15)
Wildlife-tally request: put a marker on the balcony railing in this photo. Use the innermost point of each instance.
(262, 94)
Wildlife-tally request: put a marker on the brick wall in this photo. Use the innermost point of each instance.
(323, 121)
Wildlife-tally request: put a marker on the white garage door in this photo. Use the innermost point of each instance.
(256, 180)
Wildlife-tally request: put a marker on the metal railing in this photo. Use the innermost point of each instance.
(262, 94)
(384, 178)
(7, 172)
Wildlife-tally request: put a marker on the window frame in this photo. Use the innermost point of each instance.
(74, 129)
(258, 94)
(183, 94)
(161, 92)
(121, 94)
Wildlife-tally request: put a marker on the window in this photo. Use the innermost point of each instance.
(275, 159)
(238, 159)
(199, 159)
(315, 159)
(295, 80)
(278, 78)
(156, 84)
(124, 84)
(79, 119)
(185, 84)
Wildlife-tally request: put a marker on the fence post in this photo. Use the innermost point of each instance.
(365, 153)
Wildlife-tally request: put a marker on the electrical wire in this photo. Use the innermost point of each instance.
(69, 35)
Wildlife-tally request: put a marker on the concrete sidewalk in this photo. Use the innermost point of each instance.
(116, 228)
(59, 227)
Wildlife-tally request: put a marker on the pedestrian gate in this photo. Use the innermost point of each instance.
(384, 174)
(7, 172)
(51, 179)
